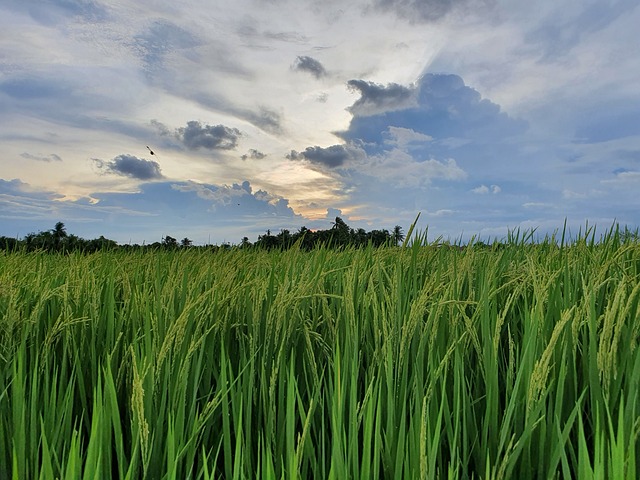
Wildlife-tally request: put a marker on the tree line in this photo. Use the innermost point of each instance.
(338, 236)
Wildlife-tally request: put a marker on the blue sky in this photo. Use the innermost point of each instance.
(483, 115)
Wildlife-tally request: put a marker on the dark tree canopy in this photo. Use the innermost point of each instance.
(340, 235)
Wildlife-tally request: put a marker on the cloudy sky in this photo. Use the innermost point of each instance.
(217, 120)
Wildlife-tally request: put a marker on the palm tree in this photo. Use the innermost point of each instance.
(398, 234)
(59, 233)
(341, 233)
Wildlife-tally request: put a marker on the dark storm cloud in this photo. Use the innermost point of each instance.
(253, 154)
(375, 98)
(422, 10)
(311, 65)
(52, 157)
(333, 156)
(210, 137)
(131, 166)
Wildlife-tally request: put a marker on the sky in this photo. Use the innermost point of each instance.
(137, 119)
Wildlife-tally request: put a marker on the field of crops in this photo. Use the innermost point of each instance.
(417, 362)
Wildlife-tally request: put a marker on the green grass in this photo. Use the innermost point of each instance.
(413, 362)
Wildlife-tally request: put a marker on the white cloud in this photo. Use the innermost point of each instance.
(483, 189)
(399, 168)
(571, 195)
(624, 179)
(403, 137)
(536, 205)
(443, 212)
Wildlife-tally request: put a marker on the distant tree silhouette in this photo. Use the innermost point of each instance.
(9, 244)
(267, 241)
(284, 238)
(59, 231)
(360, 237)
(169, 242)
(379, 238)
(398, 234)
(338, 236)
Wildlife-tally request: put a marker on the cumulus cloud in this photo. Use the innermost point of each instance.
(238, 195)
(410, 139)
(131, 166)
(440, 106)
(404, 137)
(400, 169)
(253, 154)
(221, 195)
(332, 213)
(210, 137)
(333, 156)
(294, 155)
(52, 157)
(484, 190)
(311, 65)
(623, 177)
(376, 98)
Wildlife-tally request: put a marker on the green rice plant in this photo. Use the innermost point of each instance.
(427, 360)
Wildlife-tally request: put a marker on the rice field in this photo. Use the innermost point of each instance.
(415, 362)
